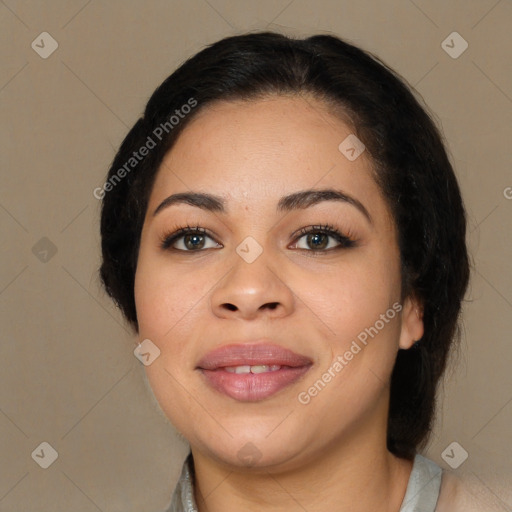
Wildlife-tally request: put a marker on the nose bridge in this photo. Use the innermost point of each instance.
(252, 285)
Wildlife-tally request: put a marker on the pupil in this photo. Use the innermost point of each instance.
(190, 241)
(315, 238)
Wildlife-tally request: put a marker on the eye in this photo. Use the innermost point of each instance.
(188, 239)
(317, 239)
(323, 238)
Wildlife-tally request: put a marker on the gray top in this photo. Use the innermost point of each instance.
(421, 494)
(423, 488)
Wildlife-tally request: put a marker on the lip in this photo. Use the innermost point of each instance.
(250, 387)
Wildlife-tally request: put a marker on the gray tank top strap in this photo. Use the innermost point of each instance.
(423, 488)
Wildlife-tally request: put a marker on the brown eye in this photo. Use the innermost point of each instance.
(323, 238)
(317, 241)
(189, 240)
(193, 241)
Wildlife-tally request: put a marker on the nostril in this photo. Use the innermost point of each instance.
(272, 305)
(231, 307)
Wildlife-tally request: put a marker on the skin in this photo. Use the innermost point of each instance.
(331, 453)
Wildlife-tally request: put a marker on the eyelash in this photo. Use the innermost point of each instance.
(345, 241)
(174, 234)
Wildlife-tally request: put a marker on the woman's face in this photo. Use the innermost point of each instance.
(225, 305)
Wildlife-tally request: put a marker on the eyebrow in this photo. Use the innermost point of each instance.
(298, 200)
(201, 200)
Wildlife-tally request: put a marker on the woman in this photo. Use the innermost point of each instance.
(284, 231)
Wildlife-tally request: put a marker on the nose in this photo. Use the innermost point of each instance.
(252, 290)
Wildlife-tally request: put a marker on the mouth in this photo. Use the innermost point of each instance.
(252, 372)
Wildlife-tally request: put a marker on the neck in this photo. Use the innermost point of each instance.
(356, 475)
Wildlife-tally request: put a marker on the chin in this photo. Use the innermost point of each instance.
(256, 451)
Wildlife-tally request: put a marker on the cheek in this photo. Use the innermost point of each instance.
(163, 297)
(359, 304)
(350, 298)
(167, 303)
(362, 312)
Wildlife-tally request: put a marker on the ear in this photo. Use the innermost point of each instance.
(412, 328)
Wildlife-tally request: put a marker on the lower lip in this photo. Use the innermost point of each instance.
(251, 387)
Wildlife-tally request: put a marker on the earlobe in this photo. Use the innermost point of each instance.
(412, 323)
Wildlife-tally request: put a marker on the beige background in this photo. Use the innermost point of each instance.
(68, 375)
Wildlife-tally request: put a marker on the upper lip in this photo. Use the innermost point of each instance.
(251, 354)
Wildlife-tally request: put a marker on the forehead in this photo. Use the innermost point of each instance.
(257, 151)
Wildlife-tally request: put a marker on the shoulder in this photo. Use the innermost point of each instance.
(467, 494)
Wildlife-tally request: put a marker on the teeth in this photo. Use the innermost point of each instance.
(261, 368)
(264, 368)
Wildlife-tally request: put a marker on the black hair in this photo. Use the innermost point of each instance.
(410, 165)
